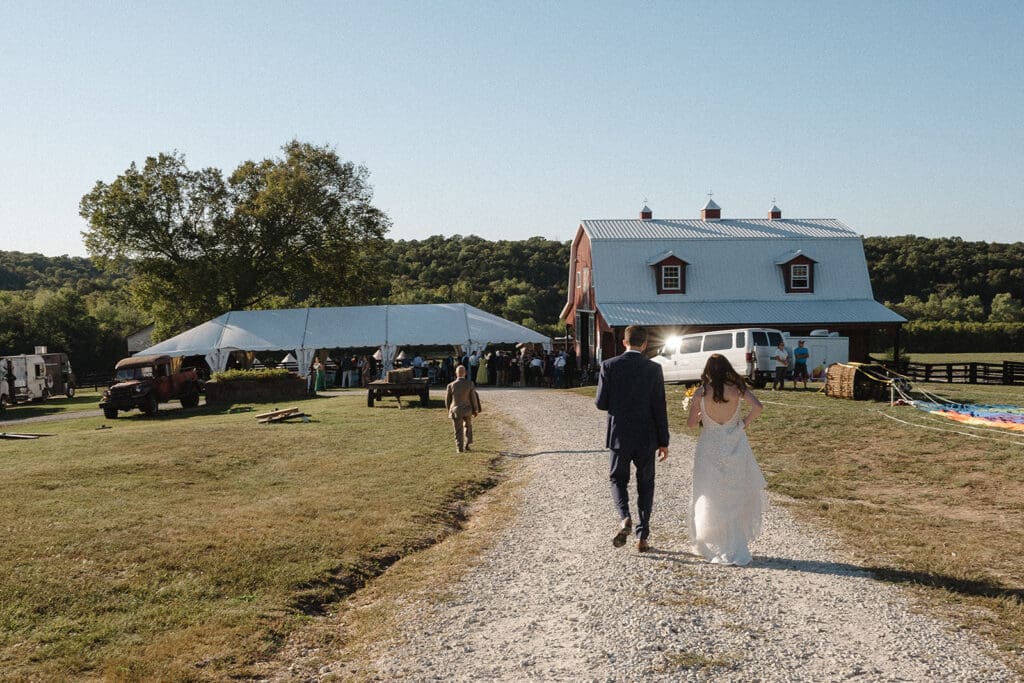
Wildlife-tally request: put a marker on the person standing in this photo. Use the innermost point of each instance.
(631, 389)
(559, 364)
(463, 404)
(728, 495)
(781, 358)
(800, 356)
(318, 368)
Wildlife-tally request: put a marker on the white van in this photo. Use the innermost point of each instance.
(748, 349)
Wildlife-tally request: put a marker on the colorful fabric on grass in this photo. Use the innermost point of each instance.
(1006, 417)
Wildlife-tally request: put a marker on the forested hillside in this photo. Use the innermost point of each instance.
(69, 305)
(523, 281)
(919, 266)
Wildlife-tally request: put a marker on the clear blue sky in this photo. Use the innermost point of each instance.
(508, 120)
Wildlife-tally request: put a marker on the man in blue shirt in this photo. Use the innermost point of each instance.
(800, 356)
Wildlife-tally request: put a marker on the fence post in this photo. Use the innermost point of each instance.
(972, 373)
(1007, 372)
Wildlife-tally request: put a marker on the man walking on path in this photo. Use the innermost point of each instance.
(632, 389)
(463, 404)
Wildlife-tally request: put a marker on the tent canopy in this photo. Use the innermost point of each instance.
(304, 330)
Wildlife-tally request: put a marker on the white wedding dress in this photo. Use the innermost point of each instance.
(728, 494)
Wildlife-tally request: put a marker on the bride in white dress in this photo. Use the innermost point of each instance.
(728, 495)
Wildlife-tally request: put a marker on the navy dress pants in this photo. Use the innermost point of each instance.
(643, 459)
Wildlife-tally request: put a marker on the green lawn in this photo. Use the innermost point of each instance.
(188, 546)
(85, 399)
(919, 499)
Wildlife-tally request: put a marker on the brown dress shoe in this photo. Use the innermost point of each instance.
(619, 539)
(642, 546)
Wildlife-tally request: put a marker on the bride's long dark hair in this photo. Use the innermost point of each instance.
(718, 372)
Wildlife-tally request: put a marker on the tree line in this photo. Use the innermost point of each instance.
(948, 278)
(71, 304)
(174, 246)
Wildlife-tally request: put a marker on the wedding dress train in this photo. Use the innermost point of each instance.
(728, 494)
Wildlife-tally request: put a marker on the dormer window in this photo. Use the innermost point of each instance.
(669, 273)
(797, 272)
(671, 278)
(799, 276)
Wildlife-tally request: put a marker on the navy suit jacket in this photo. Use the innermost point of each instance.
(632, 390)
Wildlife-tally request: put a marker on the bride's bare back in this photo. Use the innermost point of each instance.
(722, 412)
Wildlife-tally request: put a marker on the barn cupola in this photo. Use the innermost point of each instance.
(646, 214)
(711, 211)
(774, 213)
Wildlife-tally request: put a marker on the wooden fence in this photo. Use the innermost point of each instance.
(1007, 372)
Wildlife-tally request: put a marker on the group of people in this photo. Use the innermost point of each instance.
(499, 368)
(352, 372)
(792, 364)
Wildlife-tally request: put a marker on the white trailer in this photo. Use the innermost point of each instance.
(24, 379)
(826, 348)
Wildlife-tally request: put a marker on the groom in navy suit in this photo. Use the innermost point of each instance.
(632, 389)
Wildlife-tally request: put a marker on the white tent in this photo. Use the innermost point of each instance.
(304, 330)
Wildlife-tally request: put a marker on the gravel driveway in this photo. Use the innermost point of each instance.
(552, 600)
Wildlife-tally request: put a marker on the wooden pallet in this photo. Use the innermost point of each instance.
(281, 416)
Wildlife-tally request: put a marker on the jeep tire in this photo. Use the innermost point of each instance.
(151, 407)
(110, 413)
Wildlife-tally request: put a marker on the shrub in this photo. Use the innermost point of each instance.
(251, 375)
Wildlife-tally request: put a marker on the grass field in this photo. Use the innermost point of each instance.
(190, 545)
(85, 399)
(924, 501)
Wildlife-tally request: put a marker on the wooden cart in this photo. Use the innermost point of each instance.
(377, 390)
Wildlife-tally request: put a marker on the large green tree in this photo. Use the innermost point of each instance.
(295, 230)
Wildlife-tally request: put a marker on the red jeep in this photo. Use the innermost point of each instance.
(144, 382)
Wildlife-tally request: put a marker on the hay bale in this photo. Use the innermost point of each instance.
(843, 381)
(840, 381)
(400, 375)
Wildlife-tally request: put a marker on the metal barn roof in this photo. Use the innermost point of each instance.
(726, 228)
(744, 313)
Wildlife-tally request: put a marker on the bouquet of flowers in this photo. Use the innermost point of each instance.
(688, 397)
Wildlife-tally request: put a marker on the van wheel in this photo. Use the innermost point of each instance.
(190, 400)
(70, 392)
(110, 413)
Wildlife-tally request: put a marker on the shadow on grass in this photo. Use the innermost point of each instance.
(314, 598)
(967, 587)
(58, 404)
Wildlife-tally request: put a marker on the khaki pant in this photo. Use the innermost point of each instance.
(463, 430)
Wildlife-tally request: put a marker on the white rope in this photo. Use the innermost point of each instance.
(951, 431)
